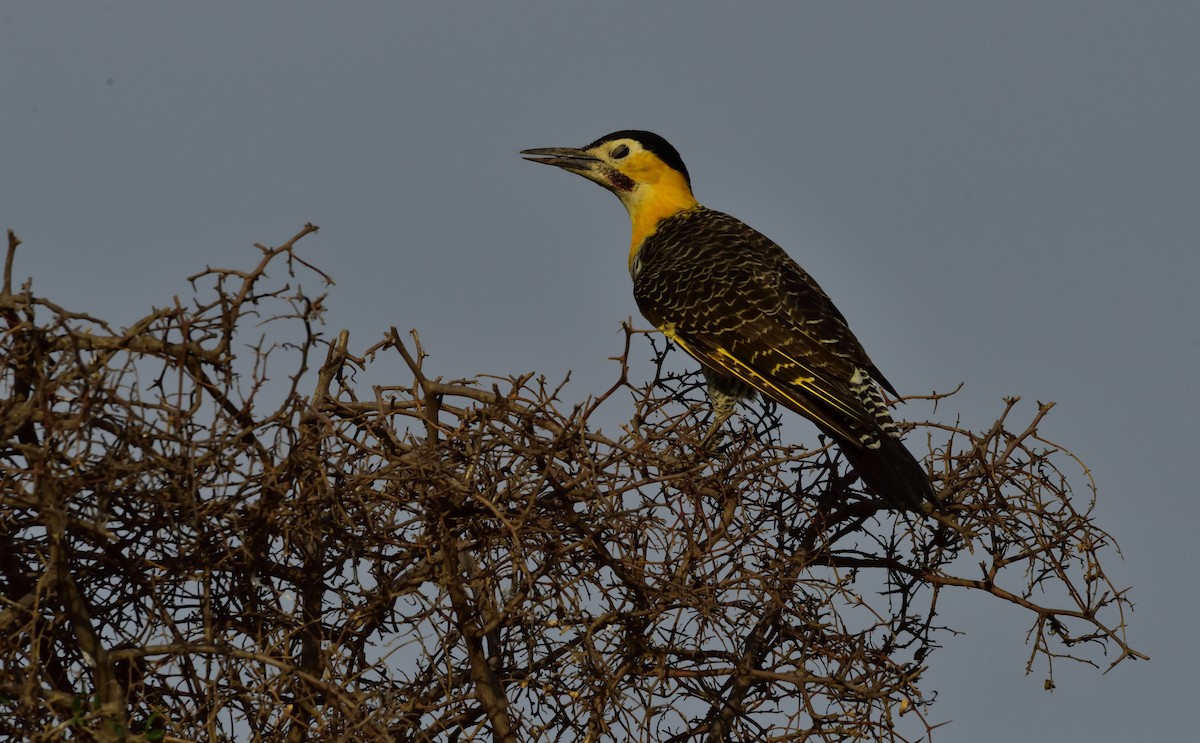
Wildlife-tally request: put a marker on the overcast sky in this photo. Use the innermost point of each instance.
(1001, 194)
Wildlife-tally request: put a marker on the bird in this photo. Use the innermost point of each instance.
(741, 306)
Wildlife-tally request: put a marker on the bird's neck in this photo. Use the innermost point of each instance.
(648, 207)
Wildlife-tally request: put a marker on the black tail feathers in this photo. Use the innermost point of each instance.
(892, 473)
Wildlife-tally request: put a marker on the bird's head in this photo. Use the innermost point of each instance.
(641, 168)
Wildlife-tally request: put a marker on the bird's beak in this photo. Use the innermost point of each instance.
(567, 158)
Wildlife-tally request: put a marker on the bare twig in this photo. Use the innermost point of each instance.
(193, 552)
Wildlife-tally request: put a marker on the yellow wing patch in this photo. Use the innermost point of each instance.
(726, 362)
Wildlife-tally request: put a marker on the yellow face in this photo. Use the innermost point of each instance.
(650, 189)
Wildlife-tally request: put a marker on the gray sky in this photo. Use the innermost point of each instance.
(1003, 194)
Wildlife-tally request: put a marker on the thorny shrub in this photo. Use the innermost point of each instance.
(184, 559)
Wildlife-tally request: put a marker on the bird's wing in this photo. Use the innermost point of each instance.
(782, 372)
(737, 303)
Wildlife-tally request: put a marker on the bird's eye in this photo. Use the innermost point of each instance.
(620, 151)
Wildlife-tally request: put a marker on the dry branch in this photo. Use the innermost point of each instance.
(190, 551)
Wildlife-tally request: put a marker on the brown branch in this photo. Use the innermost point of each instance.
(488, 689)
(436, 559)
(13, 243)
(75, 606)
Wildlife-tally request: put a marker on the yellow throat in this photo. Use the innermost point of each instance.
(661, 192)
